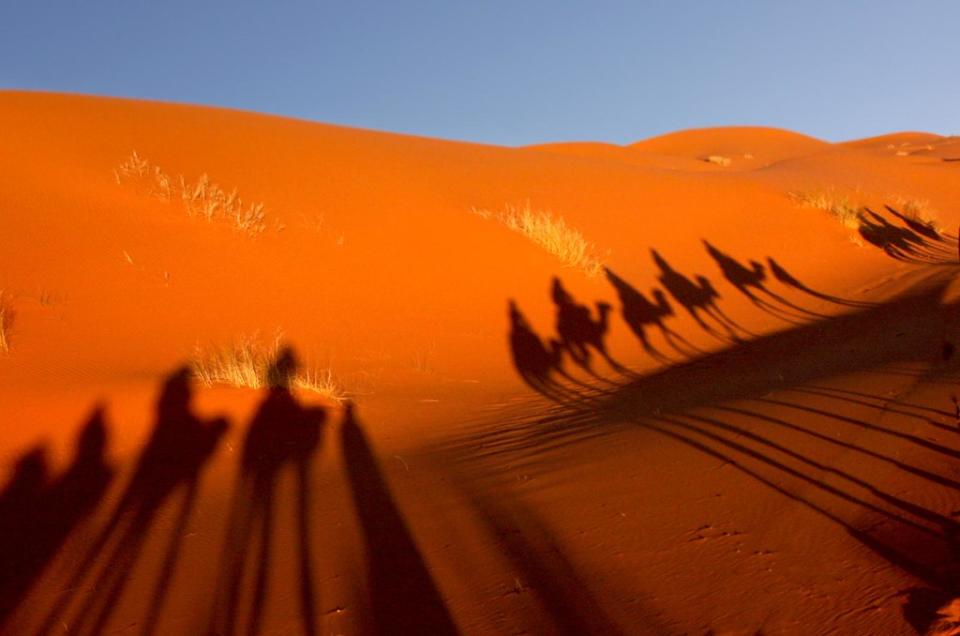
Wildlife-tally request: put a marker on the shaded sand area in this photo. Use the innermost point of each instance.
(701, 384)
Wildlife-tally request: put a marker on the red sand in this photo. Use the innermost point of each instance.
(801, 479)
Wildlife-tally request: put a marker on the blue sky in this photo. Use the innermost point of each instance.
(511, 72)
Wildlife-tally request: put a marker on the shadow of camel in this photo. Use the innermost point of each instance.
(904, 243)
(918, 227)
(696, 297)
(738, 382)
(638, 313)
(37, 515)
(535, 363)
(752, 279)
(282, 433)
(578, 331)
(172, 459)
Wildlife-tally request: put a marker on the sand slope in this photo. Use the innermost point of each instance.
(779, 456)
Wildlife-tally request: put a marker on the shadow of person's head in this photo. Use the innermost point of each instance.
(92, 440)
(283, 369)
(176, 393)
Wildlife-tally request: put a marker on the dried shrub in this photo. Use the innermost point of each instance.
(203, 198)
(246, 362)
(550, 232)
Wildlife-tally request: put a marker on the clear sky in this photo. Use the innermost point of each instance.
(510, 72)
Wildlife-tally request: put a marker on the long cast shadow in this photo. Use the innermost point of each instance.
(903, 243)
(282, 433)
(403, 596)
(910, 327)
(38, 515)
(172, 459)
(932, 555)
(922, 565)
(918, 227)
(540, 365)
(785, 277)
(536, 363)
(697, 297)
(531, 549)
(751, 283)
(638, 313)
(579, 332)
(914, 326)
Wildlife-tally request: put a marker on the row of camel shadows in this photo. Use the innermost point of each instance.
(581, 331)
(39, 512)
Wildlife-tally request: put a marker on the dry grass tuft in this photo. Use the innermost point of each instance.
(203, 199)
(849, 213)
(837, 204)
(549, 232)
(320, 382)
(246, 363)
(6, 320)
(918, 210)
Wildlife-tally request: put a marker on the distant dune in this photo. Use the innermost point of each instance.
(696, 384)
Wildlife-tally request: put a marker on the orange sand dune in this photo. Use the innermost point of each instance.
(752, 432)
(736, 148)
(894, 140)
(766, 144)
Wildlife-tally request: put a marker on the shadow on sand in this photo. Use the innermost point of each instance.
(719, 403)
(171, 461)
(38, 514)
(404, 599)
(282, 434)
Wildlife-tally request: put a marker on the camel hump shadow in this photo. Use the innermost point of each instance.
(689, 294)
(282, 433)
(534, 361)
(578, 331)
(739, 276)
(178, 447)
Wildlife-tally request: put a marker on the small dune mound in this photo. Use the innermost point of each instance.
(893, 142)
(766, 145)
(741, 147)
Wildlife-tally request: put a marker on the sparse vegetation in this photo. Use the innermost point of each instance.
(6, 320)
(837, 204)
(849, 212)
(203, 198)
(549, 232)
(918, 210)
(246, 363)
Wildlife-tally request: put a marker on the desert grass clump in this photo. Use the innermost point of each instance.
(6, 320)
(550, 232)
(918, 210)
(202, 198)
(837, 204)
(322, 382)
(211, 202)
(248, 362)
